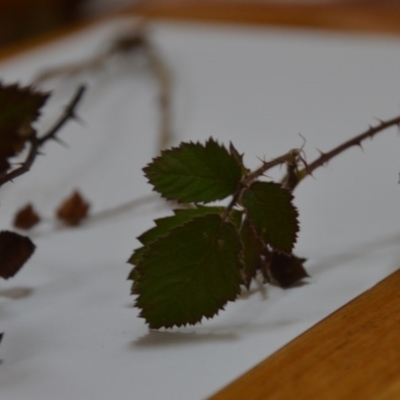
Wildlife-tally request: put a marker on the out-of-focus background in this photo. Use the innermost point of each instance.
(20, 19)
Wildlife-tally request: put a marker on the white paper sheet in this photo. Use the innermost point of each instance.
(77, 336)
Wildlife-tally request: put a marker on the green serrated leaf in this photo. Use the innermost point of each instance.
(239, 158)
(190, 273)
(271, 212)
(164, 225)
(135, 257)
(194, 172)
(252, 251)
(134, 274)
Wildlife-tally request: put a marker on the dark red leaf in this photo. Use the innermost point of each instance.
(15, 250)
(287, 269)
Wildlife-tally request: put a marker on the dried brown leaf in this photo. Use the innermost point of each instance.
(26, 218)
(73, 210)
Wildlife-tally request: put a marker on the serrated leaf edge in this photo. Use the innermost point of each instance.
(220, 307)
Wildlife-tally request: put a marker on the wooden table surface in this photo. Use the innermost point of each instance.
(355, 352)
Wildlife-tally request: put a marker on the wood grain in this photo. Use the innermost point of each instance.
(8, 52)
(373, 18)
(376, 19)
(352, 354)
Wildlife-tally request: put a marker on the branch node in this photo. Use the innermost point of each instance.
(356, 141)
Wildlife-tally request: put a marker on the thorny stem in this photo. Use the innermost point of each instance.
(293, 157)
(36, 143)
(127, 43)
(69, 113)
(290, 158)
(233, 202)
(356, 141)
